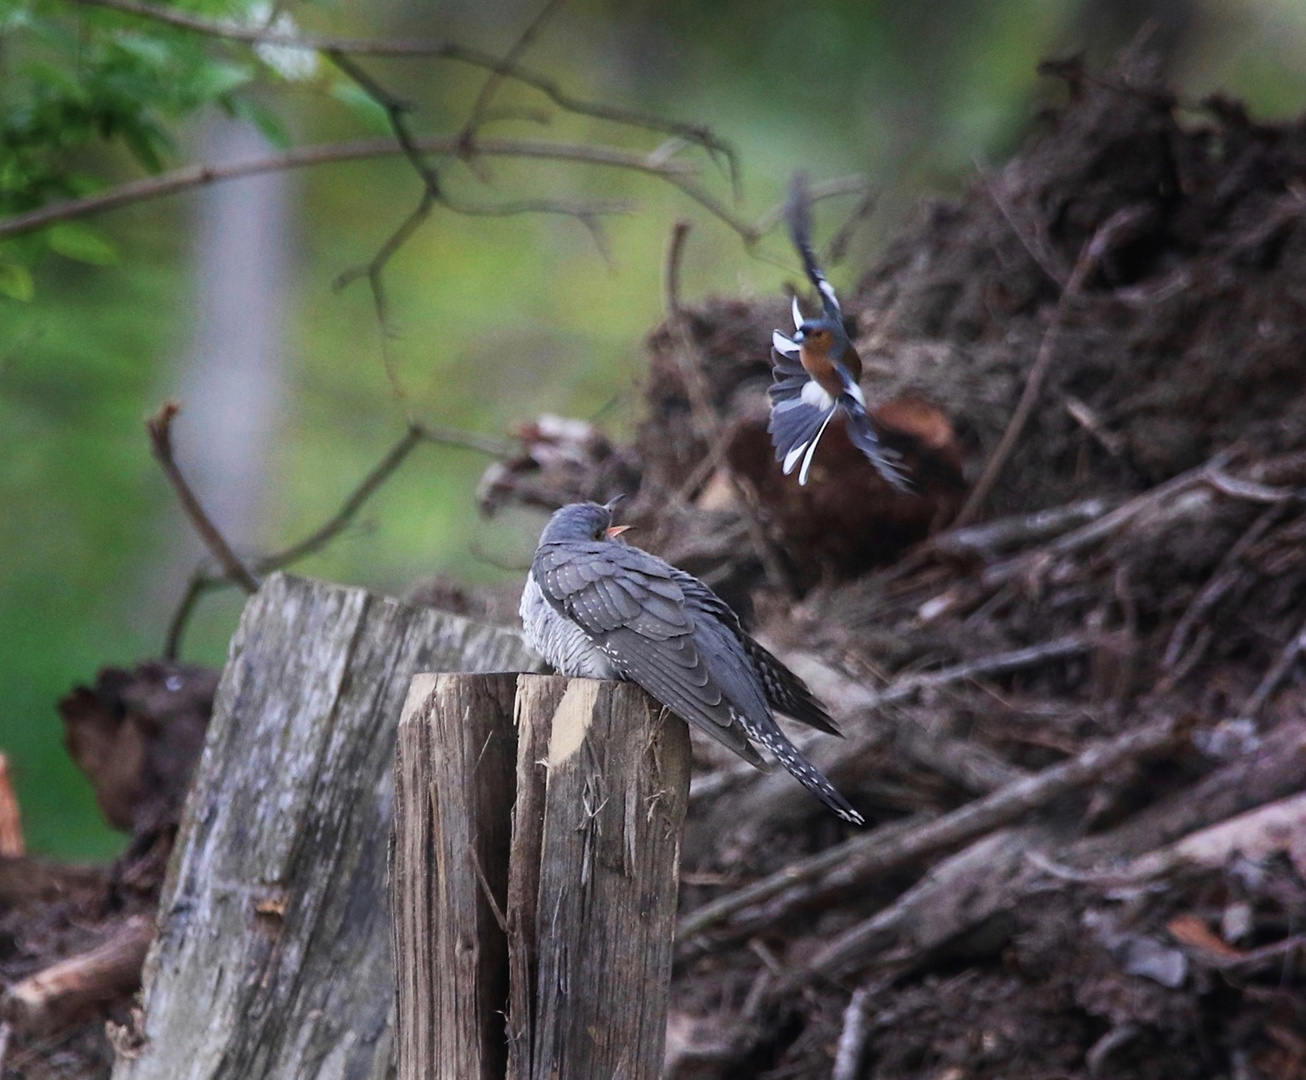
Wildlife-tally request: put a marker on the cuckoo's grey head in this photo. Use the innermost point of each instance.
(582, 522)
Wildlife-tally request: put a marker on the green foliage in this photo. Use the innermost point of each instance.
(76, 81)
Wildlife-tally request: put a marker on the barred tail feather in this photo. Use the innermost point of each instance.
(769, 735)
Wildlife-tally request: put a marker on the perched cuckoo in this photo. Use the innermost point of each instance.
(595, 606)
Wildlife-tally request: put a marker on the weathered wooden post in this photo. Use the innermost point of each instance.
(585, 901)
(273, 960)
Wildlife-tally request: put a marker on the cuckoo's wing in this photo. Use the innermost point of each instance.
(785, 692)
(628, 604)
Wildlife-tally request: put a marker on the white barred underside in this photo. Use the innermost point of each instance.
(559, 640)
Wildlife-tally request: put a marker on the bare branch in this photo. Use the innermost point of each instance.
(698, 134)
(193, 176)
(160, 429)
(202, 581)
(396, 111)
(334, 525)
(478, 116)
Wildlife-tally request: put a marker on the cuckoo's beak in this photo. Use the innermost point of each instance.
(616, 530)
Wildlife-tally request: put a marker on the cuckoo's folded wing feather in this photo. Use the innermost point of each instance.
(785, 692)
(627, 603)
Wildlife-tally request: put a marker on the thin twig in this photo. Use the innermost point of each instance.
(1085, 536)
(1226, 575)
(433, 193)
(476, 118)
(160, 429)
(1045, 259)
(201, 581)
(872, 855)
(426, 49)
(837, 249)
(1274, 677)
(193, 176)
(339, 521)
(851, 696)
(987, 540)
(1102, 241)
(690, 361)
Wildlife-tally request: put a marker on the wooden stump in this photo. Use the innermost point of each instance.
(273, 956)
(584, 944)
(455, 763)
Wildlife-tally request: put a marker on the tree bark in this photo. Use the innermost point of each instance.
(273, 956)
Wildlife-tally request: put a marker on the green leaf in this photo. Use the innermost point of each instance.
(16, 281)
(255, 112)
(74, 240)
(361, 105)
(214, 80)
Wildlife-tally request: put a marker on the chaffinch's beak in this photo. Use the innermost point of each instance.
(800, 335)
(616, 530)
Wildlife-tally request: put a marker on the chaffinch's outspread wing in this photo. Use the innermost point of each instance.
(817, 371)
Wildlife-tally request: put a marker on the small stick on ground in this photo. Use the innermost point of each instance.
(852, 1039)
(1226, 576)
(12, 843)
(47, 999)
(1274, 677)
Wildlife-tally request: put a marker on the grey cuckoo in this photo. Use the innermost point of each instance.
(594, 606)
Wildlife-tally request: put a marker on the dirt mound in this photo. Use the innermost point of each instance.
(1095, 366)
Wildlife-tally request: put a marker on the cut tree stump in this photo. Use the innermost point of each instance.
(570, 936)
(273, 956)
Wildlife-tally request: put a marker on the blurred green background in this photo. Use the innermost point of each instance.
(224, 300)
